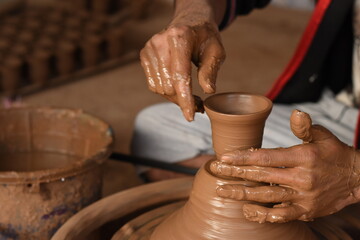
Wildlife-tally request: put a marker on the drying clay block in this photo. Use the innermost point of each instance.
(39, 68)
(4, 44)
(80, 4)
(91, 50)
(11, 75)
(32, 13)
(32, 24)
(8, 31)
(12, 20)
(55, 17)
(100, 6)
(72, 35)
(19, 50)
(115, 43)
(65, 57)
(45, 43)
(26, 37)
(94, 27)
(83, 14)
(52, 30)
(73, 22)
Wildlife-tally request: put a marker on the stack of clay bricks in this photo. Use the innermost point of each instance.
(38, 44)
(137, 8)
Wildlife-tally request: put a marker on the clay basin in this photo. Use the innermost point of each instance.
(50, 168)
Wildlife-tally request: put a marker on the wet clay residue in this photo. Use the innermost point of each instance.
(35, 161)
(237, 123)
(50, 168)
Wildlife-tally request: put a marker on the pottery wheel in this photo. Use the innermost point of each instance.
(153, 203)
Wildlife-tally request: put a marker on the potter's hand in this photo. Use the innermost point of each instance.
(192, 36)
(314, 179)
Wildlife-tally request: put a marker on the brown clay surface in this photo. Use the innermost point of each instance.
(207, 216)
(123, 205)
(142, 227)
(34, 161)
(237, 122)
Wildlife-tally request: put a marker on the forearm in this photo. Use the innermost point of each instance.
(195, 11)
(356, 174)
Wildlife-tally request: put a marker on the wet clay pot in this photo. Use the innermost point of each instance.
(50, 168)
(237, 121)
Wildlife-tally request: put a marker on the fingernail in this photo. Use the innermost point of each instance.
(211, 87)
(224, 191)
(215, 167)
(189, 115)
(226, 158)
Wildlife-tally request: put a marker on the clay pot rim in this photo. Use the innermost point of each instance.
(265, 110)
(54, 174)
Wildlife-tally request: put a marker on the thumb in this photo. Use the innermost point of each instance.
(302, 128)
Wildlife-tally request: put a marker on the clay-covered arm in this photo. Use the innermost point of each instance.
(191, 37)
(314, 179)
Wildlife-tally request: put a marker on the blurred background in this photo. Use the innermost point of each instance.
(258, 49)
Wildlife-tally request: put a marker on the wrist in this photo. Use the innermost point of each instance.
(198, 12)
(356, 174)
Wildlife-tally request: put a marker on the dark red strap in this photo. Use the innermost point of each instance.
(356, 139)
(302, 48)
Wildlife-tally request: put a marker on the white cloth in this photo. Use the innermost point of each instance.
(162, 133)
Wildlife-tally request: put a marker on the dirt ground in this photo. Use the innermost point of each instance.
(258, 49)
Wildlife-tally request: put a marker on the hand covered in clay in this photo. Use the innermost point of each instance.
(314, 179)
(192, 36)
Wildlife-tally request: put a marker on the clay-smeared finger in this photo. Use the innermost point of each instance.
(181, 74)
(155, 70)
(264, 194)
(165, 75)
(278, 157)
(211, 59)
(146, 65)
(257, 174)
(262, 214)
(198, 102)
(172, 98)
(164, 65)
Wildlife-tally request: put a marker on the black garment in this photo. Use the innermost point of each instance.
(328, 61)
(245, 7)
(240, 7)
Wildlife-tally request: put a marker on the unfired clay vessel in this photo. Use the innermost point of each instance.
(237, 121)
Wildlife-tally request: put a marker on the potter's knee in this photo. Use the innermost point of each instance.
(147, 124)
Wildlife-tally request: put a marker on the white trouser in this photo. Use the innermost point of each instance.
(162, 133)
